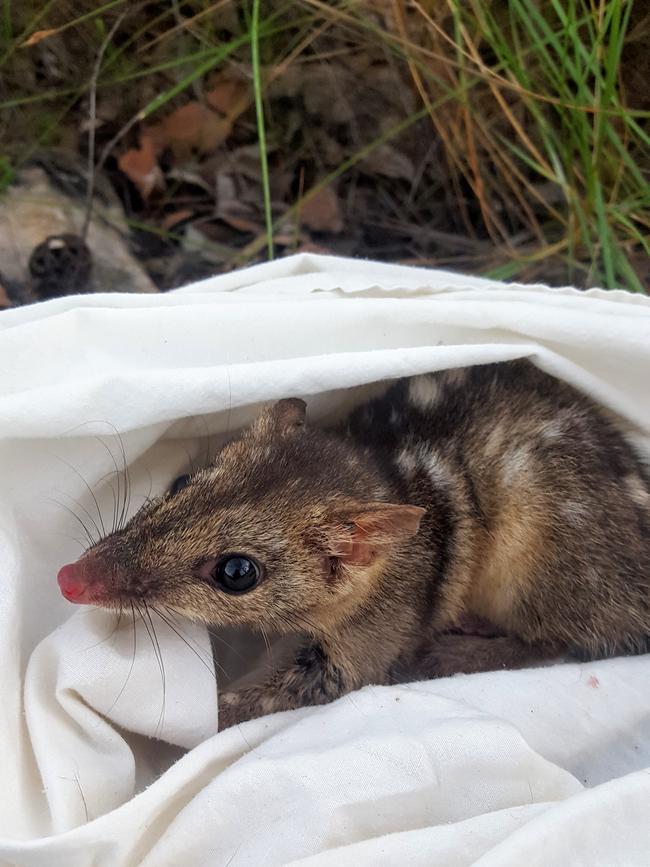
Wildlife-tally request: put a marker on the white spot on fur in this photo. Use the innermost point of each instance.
(456, 376)
(424, 391)
(406, 461)
(637, 490)
(516, 462)
(409, 460)
(552, 430)
(395, 417)
(437, 469)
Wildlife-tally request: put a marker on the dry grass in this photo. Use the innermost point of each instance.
(507, 138)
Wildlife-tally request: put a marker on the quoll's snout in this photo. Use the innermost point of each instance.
(79, 582)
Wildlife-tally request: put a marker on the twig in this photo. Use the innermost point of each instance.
(92, 112)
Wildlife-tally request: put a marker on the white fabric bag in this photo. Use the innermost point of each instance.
(100, 766)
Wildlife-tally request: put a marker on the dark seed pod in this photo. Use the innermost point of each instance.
(60, 265)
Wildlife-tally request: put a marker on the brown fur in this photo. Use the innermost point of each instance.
(494, 491)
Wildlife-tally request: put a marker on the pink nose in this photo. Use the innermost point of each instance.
(73, 583)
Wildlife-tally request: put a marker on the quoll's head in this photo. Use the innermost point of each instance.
(285, 522)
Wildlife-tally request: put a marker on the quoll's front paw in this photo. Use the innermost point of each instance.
(237, 707)
(229, 703)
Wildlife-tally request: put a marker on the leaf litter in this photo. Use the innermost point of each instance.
(188, 175)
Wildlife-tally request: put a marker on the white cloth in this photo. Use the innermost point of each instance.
(544, 766)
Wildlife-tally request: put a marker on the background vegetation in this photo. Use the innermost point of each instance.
(502, 137)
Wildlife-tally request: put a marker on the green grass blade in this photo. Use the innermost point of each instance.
(261, 130)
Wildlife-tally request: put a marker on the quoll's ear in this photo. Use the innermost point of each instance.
(360, 533)
(285, 416)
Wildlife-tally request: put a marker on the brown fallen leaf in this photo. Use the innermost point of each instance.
(191, 127)
(141, 167)
(237, 203)
(243, 224)
(322, 213)
(37, 36)
(389, 162)
(227, 94)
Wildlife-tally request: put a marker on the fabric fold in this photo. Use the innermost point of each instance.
(109, 754)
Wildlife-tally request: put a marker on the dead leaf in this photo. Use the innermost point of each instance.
(233, 205)
(227, 94)
(286, 239)
(331, 92)
(242, 224)
(192, 127)
(37, 36)
(322, 213)
(141, 167)
(202, 127)
(390, 162)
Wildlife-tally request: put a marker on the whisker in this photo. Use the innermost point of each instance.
(79, 542)
(83, 797)
(148, 625)
(147, 499)
(225, 643)
(124, 472)
(121, 499)
(204, 441)
(232, 857)
(125, 498)
(90, 491)
(266, 642)
(211, 632)
(190, 460)
(83, 509)
(312, 628)
(229, 400)
(99, 482)
(91, 541)
(118, 621)
(116, 499)
(127, 481)
(128, 676)
(190, 645)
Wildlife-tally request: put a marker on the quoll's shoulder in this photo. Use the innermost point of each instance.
(444, 403)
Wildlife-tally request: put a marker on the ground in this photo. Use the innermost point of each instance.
(503, 138)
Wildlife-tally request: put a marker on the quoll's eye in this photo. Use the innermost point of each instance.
(179, 483)
(237, 574)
